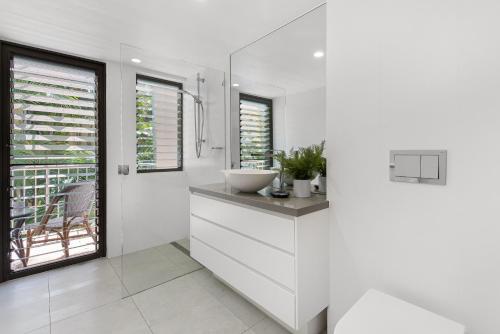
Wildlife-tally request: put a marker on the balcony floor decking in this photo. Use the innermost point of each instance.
(54, 251)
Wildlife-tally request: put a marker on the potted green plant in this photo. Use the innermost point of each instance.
(322, 176)
(280, 157)
(303, 165)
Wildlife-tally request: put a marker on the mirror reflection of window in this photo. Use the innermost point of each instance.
(287, 65)
(256, 132)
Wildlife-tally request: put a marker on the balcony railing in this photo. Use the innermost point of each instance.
(33, 189)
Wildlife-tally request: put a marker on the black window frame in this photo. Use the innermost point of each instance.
(7, 51)
(268, 102)
(181, 119)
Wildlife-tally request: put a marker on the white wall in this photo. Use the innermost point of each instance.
(113, 159)
(305, 118)
(415, 75)
(279, 124)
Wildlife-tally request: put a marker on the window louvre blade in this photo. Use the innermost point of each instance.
(158, 124)
(54, 113)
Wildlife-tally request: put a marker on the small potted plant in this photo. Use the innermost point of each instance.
(303, 165)
(322, 176)
(280, 157)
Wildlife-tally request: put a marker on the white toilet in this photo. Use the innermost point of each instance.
(379, 313)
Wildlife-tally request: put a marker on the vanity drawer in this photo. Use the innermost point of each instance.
(270, 296)
(269, 261)
(268, 228)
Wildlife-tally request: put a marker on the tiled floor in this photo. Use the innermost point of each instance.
(151, 267)
(90, 298)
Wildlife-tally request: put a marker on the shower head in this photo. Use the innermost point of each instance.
(195, 97)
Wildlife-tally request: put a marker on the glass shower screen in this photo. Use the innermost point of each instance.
(172, 135)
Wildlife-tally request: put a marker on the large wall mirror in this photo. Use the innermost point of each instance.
(278, 91)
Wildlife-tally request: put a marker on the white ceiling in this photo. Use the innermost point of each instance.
(283, 61)
(198, 31)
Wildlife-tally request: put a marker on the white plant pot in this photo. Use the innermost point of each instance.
(302, 188)
(322, 184)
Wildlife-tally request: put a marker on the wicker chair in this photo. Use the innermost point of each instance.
(77, 205)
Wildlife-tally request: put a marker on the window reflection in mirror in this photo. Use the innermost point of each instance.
(285, 71)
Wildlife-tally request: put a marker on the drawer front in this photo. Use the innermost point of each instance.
(271, 262)
(274, 230)
(262, 291)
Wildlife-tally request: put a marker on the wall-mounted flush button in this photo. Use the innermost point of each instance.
(429, 167)
(407, 165)
(418, 166)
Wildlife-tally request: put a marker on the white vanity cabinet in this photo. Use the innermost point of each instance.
(277, 261)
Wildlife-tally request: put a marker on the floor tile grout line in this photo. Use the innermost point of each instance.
(250, 327)
(131, 296)
(36, 329)
(142, 315)
(224, 306)
(115, 274)
(128, 294)
(227, 287)
(161, 254)
(90, 309)
(137, 307)
(234, 314)
(178, 247)
(119, 278)
(160, 284)
(85, 311)
(50, 309)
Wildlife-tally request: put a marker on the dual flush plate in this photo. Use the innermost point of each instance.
(418, 166)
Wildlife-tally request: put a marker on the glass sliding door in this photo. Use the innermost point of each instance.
(52, 160)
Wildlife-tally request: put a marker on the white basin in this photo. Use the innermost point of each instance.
(249, 180)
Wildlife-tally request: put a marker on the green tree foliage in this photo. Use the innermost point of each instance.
(146, 155)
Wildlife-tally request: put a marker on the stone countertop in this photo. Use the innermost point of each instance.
(291, 206)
